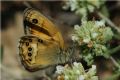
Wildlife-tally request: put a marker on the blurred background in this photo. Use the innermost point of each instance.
(12, 30)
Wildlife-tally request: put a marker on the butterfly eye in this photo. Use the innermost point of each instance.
(29, 54)
(30, 49)
(39, 40)
(35, 21)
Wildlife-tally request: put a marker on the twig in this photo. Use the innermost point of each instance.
(27, 4)
(117, 36)
(108, 21)
(115, 62)
(112, 59)
(114, 50)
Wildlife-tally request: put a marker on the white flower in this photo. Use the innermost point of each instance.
(100, 23)
(65, 7)
(60, 69)
(76, 27)
(81, 11)
(73, 4)
(93, 67)
(91, 8)
(74, 38)
(94, 35)
(81, 77)
(76, 64)
(87, 40)
(84, 20)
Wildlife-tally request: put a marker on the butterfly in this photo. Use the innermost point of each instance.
(42, 45)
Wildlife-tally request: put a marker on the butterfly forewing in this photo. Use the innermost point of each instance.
(39, 23)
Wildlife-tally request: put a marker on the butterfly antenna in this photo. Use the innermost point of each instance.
(27, 4)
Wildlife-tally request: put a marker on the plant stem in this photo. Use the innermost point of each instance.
(115, 62)
(117, 36)
(108, 21)
(114, 50)
(118, 30)
(112, 59)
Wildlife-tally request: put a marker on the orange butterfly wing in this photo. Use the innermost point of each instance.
(42, 27)
(42, 44)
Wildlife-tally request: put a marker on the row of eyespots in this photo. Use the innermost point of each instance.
(30, 49)
(30, 40)
(29, 52)
(27, 43)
